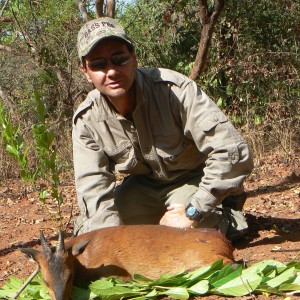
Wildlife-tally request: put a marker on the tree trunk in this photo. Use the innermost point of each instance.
(208, 19)
(99, 8)
(108, 11)
(82, 9)
(110, 8)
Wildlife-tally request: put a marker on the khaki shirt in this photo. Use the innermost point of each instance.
(175, 128)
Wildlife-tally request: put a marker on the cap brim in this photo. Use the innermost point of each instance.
(97, 42)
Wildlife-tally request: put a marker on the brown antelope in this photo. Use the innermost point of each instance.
(149, 250)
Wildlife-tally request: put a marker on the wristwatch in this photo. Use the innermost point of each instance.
(193, 214)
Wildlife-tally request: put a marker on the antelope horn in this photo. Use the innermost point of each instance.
(60, 248)
(46, 248)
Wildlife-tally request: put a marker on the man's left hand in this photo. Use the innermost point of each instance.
(175, 217)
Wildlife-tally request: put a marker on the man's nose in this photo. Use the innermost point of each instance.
(111, 69)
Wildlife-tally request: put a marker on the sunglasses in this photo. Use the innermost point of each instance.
(100, 64)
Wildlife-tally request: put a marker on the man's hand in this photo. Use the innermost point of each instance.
(175, 217)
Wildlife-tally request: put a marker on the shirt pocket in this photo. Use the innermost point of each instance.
(212, 131)
(208, 124)
(176, 152)
(123, 159)
(119, 153)
(168, 142)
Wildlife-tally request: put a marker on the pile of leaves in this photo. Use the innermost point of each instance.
(266, 277)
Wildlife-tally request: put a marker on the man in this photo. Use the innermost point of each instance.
(185, 161)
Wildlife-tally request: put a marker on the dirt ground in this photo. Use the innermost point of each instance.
(272, 210)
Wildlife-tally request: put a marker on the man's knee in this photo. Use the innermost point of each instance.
(135, 206)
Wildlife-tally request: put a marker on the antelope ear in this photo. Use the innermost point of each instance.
(79, 247)
(30, 253)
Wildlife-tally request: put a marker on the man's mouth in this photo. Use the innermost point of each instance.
(114, 84)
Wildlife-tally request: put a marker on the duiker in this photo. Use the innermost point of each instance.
(121, 251)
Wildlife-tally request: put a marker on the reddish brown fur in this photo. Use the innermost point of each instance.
(150, 250)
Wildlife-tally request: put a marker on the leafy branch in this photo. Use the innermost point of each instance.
(267, 277)
(15, 143)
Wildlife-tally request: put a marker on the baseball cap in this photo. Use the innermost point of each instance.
(94, 31)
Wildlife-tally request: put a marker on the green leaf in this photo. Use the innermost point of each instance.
(82, 294)
(266, 267)
(169, 280)
(60, 199)
(25, 175)
(101, 284)
(229, 90)
(200, 288)
(198, 274)
(35, 290)
(152, 294)
(270, 275)
(296, 280)
(257, 120)
(295, 264)
(203, 273)
(141, 278)
(281, 278)
(265, 289)
(114, 293)
(285, 287)
(178, 293)
(7, 291)
(227, 274)
(12, 150)
(240, 286)
(43, 195)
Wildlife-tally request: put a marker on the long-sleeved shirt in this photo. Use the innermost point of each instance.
(175, 128)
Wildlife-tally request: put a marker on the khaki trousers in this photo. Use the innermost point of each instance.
(141, 200)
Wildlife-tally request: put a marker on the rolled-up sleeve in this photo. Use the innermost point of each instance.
(228, 157)
(94, 181)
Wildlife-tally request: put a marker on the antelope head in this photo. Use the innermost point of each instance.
(56, 265)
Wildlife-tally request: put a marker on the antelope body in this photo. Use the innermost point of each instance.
(121, 251)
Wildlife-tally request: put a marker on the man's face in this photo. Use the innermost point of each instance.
(111, 68)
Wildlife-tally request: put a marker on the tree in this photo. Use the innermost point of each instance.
(33, 35)
(187, 26)
(208, 16)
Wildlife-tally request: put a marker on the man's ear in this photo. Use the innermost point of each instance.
(84, 70)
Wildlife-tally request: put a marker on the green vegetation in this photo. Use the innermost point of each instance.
(47, 166)
(267, 277)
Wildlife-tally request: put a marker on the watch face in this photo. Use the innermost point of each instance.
(191, 211)
(193, 214)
